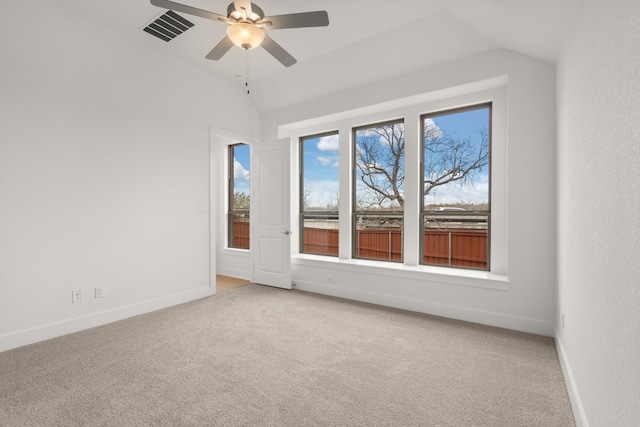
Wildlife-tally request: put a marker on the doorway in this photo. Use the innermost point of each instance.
(267, 258)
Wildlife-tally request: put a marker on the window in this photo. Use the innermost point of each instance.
(319, 194)
(455, 212)
(378, 204)
(239, 200)
(423, 188)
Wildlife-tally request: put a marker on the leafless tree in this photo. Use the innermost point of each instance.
(448, 158)
(380, 162)
(306, 198)
(241, 200)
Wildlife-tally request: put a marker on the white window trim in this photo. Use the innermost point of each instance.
(495, 92)
(221, 140)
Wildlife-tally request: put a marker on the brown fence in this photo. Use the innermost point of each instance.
(320, 241)
(379, 244)
(468, 247)
(241, 234)
(459, 248)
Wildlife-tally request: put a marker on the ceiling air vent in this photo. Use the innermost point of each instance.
(168, 26)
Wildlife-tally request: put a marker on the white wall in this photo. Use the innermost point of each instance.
(104, 158)
(598, 222)
(529, 300)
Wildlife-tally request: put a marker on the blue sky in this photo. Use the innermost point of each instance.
(464, 124)
(241, 168)
(321, 172)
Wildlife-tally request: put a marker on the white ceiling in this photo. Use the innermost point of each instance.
(366, 40)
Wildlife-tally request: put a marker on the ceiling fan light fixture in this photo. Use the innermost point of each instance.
(245, 35)
(246, 22)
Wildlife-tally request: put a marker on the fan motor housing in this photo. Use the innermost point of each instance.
(255, 10)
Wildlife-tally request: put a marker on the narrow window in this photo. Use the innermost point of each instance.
(319, 185)
(456, 207)
(239, 201)
(378, 205)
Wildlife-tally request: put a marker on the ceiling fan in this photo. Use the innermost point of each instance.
(247, 23)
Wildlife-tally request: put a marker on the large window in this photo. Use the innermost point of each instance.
(421, 186)
(319, 194)
(456, 212)
(239, 200)
(378, 195)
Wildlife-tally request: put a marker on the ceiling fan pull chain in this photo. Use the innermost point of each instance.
(246, 72)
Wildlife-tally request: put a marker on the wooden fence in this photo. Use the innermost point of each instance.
(241, 234)
(468, 247)
(320, 241)
(379, 244)
(459, 248)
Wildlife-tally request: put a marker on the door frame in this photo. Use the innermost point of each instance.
(219, 140)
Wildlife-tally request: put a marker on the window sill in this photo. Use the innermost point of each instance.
(236, 252)
(453, 276)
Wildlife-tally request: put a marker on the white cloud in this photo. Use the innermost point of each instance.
(329, 143)
(328, 161)
(455, 192)
(322, 193)
(239, 172)
(431, 129)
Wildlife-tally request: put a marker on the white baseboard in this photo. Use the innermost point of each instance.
(76, 324)
(576, 403)
(499, 320)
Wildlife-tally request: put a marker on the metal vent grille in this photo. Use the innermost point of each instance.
(168, 26)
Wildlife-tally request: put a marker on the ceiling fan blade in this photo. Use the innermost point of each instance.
(177, 7)
(278, 52)
(243, 4)
(296, 20)
(220, 49)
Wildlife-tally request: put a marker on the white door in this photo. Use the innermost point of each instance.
(270, 214)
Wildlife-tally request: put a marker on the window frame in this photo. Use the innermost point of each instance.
(495, 91)
(231, 211)
(302, 212)
(431, 213)
(355, 213)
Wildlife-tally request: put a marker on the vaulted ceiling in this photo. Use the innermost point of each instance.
(366, 40)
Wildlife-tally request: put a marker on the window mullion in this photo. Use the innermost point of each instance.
(346, 198)
(412, 182)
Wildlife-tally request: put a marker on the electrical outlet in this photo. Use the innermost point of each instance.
(76, 296)
(99, 292)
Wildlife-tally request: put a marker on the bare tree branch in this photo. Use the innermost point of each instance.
(380, 160)
(241, 200)
(448, 159)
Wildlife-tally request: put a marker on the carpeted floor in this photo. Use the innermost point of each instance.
(259, 356)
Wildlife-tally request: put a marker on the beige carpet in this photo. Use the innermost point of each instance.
(258, 356)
